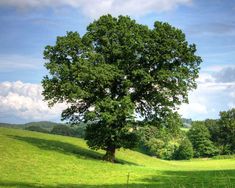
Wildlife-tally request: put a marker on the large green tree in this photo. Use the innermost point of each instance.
(117, 69)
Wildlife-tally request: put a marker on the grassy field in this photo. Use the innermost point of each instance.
(30, 159)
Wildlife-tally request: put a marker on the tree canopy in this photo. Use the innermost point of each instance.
(118, 69)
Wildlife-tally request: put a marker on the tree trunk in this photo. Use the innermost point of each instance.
(110, 154)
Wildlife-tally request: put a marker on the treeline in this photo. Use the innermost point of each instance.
(214, 137)
(204, 139)
(51, 128)
(165, 139)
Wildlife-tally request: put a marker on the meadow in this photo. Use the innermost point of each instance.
(31, 159)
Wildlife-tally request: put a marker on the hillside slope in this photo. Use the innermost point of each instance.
(30, 159)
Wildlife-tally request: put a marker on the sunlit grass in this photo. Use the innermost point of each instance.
(30, 159)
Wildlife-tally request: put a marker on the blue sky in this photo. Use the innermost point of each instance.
(27, 26)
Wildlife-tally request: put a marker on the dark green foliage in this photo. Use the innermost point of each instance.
(116, 69)
(222, 132)
(185, 150)
(214, 129)
(200, 139)
(36, 128)
(227, 131)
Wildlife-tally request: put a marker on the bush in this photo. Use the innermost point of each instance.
(185, 150)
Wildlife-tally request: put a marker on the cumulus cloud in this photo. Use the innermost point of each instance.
(215, 93)
(96, 8)
(194, 108)
(24, 101)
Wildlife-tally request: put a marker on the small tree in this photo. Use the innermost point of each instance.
(200, 139)
(117, 69)
(185, 150)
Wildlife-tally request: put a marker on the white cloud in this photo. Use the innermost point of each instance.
(205, 77)
(215, 93)
(194, 107)
(25, 102)
(96, 8)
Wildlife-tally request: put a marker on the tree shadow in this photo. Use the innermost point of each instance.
(65, 148)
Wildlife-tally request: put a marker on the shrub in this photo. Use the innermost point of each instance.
(185, 150)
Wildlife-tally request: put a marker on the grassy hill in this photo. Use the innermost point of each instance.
(31, 159)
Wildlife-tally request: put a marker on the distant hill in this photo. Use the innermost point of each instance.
(9, 125)
(47, 125)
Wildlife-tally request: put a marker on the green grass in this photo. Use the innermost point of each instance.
(30, 159)
(185, 129)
